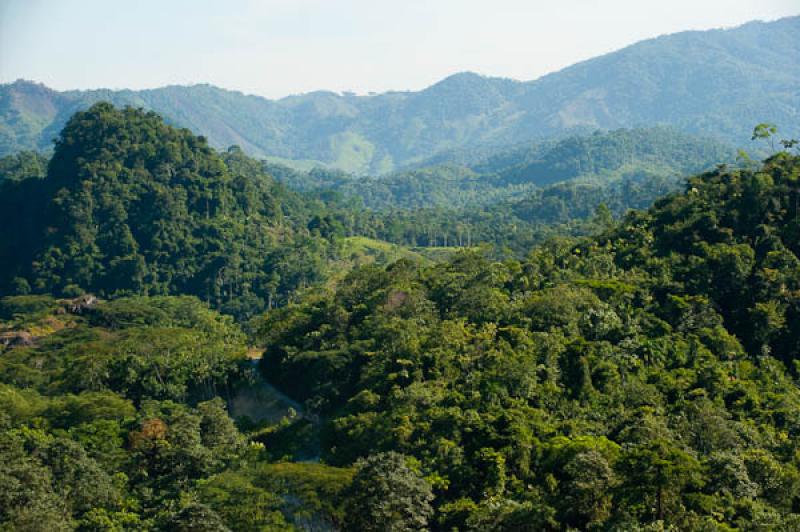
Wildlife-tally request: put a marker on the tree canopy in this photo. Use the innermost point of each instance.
(185, 344)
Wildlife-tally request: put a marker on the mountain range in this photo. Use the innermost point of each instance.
(718, 82)
(455, 180)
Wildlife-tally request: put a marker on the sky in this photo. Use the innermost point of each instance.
(274, 48)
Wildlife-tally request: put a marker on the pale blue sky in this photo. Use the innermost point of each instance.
(280, 47)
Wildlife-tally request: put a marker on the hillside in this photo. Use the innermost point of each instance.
(111, 410)
(512, 173)
(131, 205)
(717, 82)
(564, 304)
(642, 379)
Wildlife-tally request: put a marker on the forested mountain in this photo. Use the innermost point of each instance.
(642, 379)
(130, 205)
(717, 82)
(494, 198)
(640, 376)
(511, 173)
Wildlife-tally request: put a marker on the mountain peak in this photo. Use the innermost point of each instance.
(27, 84)
(460, 77)
(469, 79)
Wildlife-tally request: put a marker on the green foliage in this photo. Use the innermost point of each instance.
(13, 306)
(132, 206)
(644, 377)
(638, 156)
(23, 165)
(196, 517)
(386, 494)
(314, 492)
(113, 418)
(186, 351)
(513, 199)
(243, 505)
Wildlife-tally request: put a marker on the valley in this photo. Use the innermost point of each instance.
(564, 304)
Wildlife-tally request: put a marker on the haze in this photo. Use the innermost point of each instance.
(279, 47)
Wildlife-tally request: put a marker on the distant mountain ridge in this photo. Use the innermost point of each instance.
(489, 178)
(717, 82)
